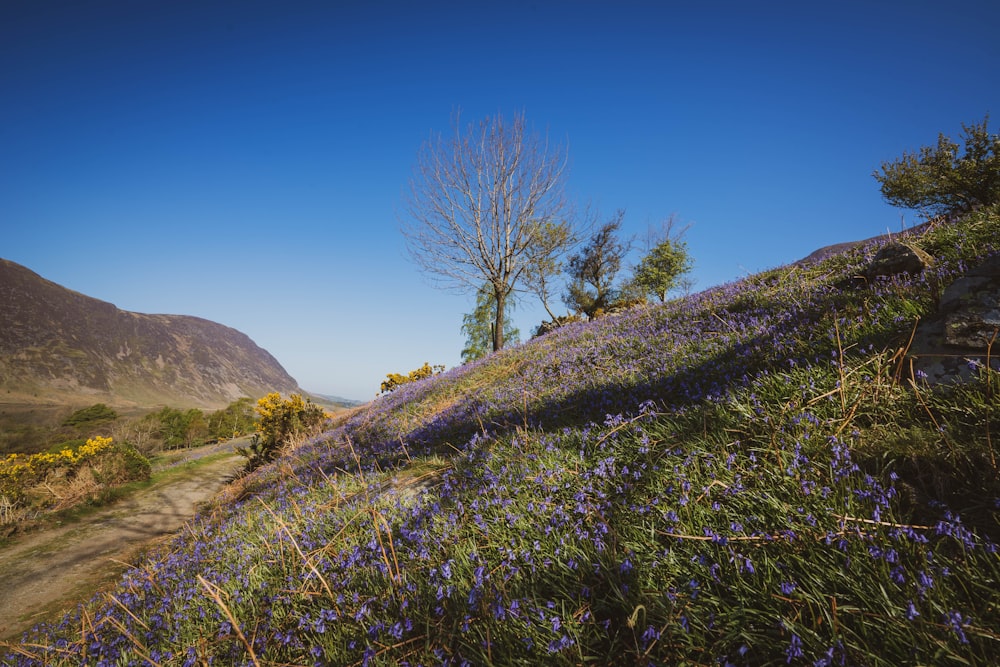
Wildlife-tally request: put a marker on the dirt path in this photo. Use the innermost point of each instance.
(48, 572)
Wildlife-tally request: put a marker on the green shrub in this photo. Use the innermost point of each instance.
(942, 182)
(121, 465)
(98, 413)
(182, 428)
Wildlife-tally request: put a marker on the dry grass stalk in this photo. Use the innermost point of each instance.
(215, 593)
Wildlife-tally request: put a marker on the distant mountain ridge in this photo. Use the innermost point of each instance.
(62, 346)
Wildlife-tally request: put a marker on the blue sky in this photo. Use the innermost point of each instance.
(245, 161)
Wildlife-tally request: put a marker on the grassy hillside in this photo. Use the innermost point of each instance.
(745, 476)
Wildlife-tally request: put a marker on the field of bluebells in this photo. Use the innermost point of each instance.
(746, 476)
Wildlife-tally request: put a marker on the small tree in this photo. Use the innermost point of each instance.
(235, 419)
(196, 428)
(181, 428)
(478, 327)
(138, 432)
(939, 180)
(592, 271)
(666, 260)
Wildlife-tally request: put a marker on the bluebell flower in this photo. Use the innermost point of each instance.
(794, 649)
(957, 622)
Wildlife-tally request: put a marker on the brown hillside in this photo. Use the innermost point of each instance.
(57, 345)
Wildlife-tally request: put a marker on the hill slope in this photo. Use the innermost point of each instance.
(58, 345)
(746, 476)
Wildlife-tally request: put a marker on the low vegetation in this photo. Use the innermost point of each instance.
(89, 457)
(394, 381)
(282, 421)
(94, 415)
(745, 476)
(31, 485)
(34, 429)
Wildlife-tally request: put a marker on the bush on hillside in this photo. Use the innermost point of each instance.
(593, 269)
(394, 381)
(661, 269)
(57, 480)
(280, 422)
(94, 415)
(939, 180)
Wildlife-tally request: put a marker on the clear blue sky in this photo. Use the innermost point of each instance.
(244, 161)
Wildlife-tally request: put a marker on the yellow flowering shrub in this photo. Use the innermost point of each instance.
(394, 381)
(279, 420)
(110, 464)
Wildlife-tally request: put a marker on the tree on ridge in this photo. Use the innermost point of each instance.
(665, 261)
(593, 269)
(479, 203)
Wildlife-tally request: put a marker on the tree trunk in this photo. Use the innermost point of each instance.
(545, 304)
(498, 325)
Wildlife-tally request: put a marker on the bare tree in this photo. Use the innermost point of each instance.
(669, 229)
(477, 205)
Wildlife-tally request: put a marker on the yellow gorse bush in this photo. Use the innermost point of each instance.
(272, 411)
(279, 418)
(17, 470)
(279, 421)
(394, 381)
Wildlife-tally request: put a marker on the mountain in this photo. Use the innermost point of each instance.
(336, 401)
(57, 345)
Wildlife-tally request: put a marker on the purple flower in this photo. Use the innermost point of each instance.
(957, 622)
(794, 649)
(563, 642)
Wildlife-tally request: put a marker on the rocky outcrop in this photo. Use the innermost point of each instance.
(963, 333)
(896, 258)
(63, 346)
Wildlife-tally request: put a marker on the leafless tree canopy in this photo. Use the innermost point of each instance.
(478, 204)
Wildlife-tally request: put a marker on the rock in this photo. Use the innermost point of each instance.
(892, 259)
(895, 258)
(951, 344)
(973, 306)
(548, 326)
